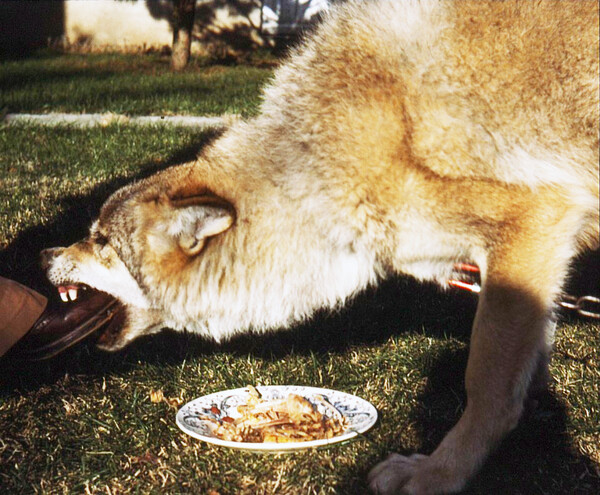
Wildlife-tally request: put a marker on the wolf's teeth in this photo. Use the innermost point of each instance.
(73, 294)
(63, 295)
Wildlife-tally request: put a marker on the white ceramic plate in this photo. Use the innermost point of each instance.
(360, 414)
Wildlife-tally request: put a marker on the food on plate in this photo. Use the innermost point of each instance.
(293, 419)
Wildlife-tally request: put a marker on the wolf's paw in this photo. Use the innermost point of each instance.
(392, 476)
(414, 475)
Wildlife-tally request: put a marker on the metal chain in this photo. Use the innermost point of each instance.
(585, 305)
(588, 306)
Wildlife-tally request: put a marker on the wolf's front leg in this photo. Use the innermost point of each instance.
(510, 339)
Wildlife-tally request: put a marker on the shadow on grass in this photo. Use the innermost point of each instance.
(537, 458)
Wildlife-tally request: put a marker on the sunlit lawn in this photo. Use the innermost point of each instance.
(128, 84)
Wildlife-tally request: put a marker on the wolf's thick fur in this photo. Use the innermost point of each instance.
(401, 138)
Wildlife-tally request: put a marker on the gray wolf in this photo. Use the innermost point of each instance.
(401, 137)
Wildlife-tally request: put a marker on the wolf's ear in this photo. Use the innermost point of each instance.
(197, 218)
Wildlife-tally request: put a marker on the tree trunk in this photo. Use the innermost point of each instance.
(183, 23)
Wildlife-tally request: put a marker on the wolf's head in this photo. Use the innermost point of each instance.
(145, 233)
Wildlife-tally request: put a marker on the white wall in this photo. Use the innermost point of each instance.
(107, 23)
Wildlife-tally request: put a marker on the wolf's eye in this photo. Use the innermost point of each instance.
(100, 239)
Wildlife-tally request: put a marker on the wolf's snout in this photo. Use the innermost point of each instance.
(47, 255)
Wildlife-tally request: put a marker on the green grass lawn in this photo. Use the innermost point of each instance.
(128, 84)
(85, 423)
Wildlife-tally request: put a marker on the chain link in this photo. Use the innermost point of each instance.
(588, 306)
(585, 305)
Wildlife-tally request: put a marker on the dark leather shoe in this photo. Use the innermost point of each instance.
(60, 327)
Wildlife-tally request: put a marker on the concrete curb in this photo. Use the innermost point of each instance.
(105, 119)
